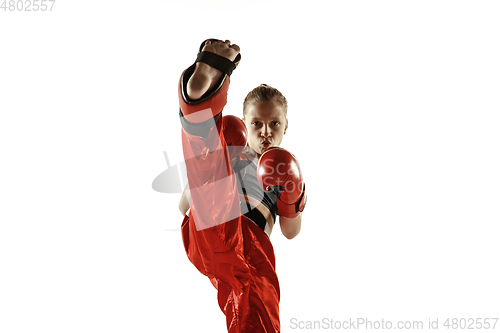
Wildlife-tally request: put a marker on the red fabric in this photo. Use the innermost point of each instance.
(233, 252)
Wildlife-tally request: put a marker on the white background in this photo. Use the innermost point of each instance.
(393, 113)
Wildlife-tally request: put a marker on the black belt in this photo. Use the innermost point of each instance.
(254, 215)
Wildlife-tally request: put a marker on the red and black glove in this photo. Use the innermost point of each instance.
(278, 167)
(235, 134)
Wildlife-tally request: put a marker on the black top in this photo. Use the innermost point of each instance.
(246, 175)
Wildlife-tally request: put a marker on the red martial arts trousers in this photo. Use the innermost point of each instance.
(232, 251)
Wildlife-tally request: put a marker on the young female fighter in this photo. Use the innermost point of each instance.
(226, 241)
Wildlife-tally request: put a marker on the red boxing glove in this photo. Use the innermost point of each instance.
(278, 167)
(235, 134)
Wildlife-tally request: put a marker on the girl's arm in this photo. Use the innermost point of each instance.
(290, 227)
(185, 202)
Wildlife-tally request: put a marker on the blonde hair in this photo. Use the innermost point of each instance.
(265, 92)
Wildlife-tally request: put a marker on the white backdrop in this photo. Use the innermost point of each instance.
(393, 113)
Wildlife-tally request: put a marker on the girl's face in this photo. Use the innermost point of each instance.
(266, 123)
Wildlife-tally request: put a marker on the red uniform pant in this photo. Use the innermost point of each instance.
(233, 252)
